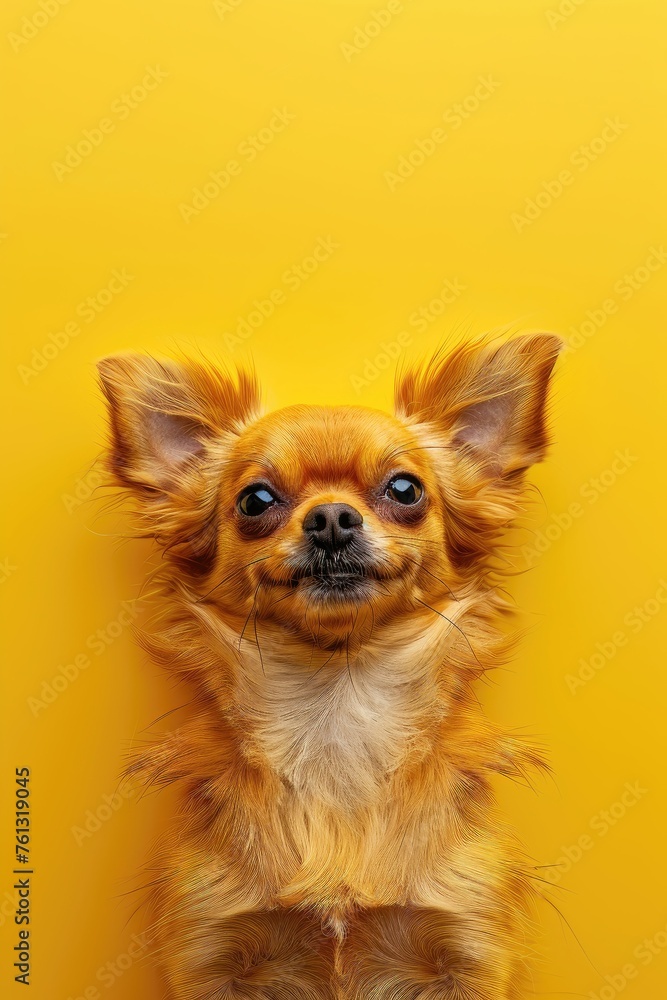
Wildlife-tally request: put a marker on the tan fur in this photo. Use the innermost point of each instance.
(337, 837)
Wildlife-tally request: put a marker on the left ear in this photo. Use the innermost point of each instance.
(487, 400)
(163, 414)
(170, 423)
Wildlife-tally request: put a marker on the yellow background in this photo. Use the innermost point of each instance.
(556, 82)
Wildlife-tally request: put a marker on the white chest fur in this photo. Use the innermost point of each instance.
(338, 731)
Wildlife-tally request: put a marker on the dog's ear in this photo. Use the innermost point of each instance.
(486, 401)
(170, 423)
(162, 415)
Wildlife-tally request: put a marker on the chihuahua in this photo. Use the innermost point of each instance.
(330, 594)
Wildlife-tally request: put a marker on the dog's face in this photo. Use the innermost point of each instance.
(316, 517)
(329, 510)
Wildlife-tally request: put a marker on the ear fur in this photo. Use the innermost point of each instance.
(488, 399)
(480, 410)
(169, 423)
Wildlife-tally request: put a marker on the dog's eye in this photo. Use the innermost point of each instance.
(404, 489)
(255, 500)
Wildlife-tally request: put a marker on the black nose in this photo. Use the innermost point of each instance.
(332, 526)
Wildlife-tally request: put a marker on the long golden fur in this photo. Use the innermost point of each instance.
(337, 837)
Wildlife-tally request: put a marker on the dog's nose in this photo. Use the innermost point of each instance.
(332, 526)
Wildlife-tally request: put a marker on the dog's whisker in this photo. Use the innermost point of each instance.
(453, 624)
(428, 572)
(347, 655)
(259, 648)
(252, 608)
(236, 572)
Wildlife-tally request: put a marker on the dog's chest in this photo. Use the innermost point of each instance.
(340, 732)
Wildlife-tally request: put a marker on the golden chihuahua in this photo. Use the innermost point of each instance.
(330, 596)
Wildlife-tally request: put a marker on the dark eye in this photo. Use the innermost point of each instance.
(255, 501)
(404, 489)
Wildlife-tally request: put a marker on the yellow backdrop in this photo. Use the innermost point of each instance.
(333, 187)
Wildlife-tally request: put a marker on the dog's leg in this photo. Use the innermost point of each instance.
(401, 953)
(279, 954)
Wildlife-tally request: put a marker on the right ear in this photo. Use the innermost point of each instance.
(165, 420)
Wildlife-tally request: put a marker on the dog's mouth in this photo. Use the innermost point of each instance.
(338, 581)
(337, 577)
(338, 586)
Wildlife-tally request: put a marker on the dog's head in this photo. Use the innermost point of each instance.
(307, 515)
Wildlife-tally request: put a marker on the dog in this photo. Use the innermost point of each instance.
(330, 594)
